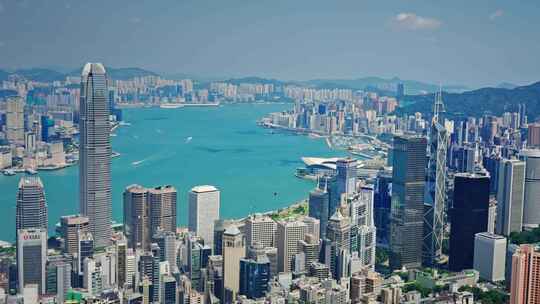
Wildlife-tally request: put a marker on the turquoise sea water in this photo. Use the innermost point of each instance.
(247, 163)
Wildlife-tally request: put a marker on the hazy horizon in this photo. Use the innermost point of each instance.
(458, 43)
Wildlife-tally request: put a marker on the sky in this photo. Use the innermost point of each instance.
(474, 43)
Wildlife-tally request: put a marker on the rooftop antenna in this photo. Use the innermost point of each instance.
(438, 107)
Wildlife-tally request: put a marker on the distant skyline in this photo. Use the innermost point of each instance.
(473, 43)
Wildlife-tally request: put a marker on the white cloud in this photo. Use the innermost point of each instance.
(413, 22)
(496, 14)
(136, 20)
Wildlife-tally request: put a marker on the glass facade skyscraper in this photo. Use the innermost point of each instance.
(95, 153)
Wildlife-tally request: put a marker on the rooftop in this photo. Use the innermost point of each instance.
(204, 188)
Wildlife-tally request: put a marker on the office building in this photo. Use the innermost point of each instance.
(533, 136)
(147, 211)
(289, 233)
(15, 120)
(346, 176)
(85, 249)
(58, 276)
(260, 228)
(407, 213)
(95, 153)
(136, 220)
(204, 204)
(168, 289)
(310, 247)
(31, 204)
(32, 258)
(234, 250)
(490, 256)
(338, 235)
(382, 204)
(319, 205)
(510, 196)
(531, 207)
(166, 241)
(468, 216)
(254, 276)
(524, 286)
(70, 225)
(162, 200)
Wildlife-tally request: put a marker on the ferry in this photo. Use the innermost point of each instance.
(9, 172)
(171, 105)
(31, 171)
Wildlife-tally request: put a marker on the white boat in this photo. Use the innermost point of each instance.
(188, 140)
(31, 171)
(171, 105)
(9, 172)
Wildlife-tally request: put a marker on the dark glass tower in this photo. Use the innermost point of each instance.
(95, 153)
(254, 276)
(468, 216)
(408, 183)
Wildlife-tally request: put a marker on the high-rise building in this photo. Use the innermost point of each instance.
(408, 183)
(533, 136)
(254, 276)
(436, 186)
(32, 258)
(531, 207)
(70, 225)
(468, 216)
(166, 241)
(15, 121)
(319, 205)
(234, 250)
(95, 153)
(288, 235)
(59, 276)
(162, 202)
(490, 256)
(136, 221)
(261, 229)
(338, 235)
(510, 196)
(382, 205)
(346, 176)
(524, 287)
(85, 249)
(204, 204)
(147, 211)
(310, 247)
(31, 204)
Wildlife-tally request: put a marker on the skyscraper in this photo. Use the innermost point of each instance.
(204, 206)
(260, 228)
(346, 176)
(524, 286)
(490, 256)
(319, 204)
(408, 183)
(147, 211)
(468, 216)
(234, 249)
(436, 186)
(531, 207)
(70, 225)
(382, 204)
(31, 204)
(32, 257)
(510, 193)
(288, 235)
(162, 201)
(15, 121)
(254, 276)
(136, 221)
(95, 153)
